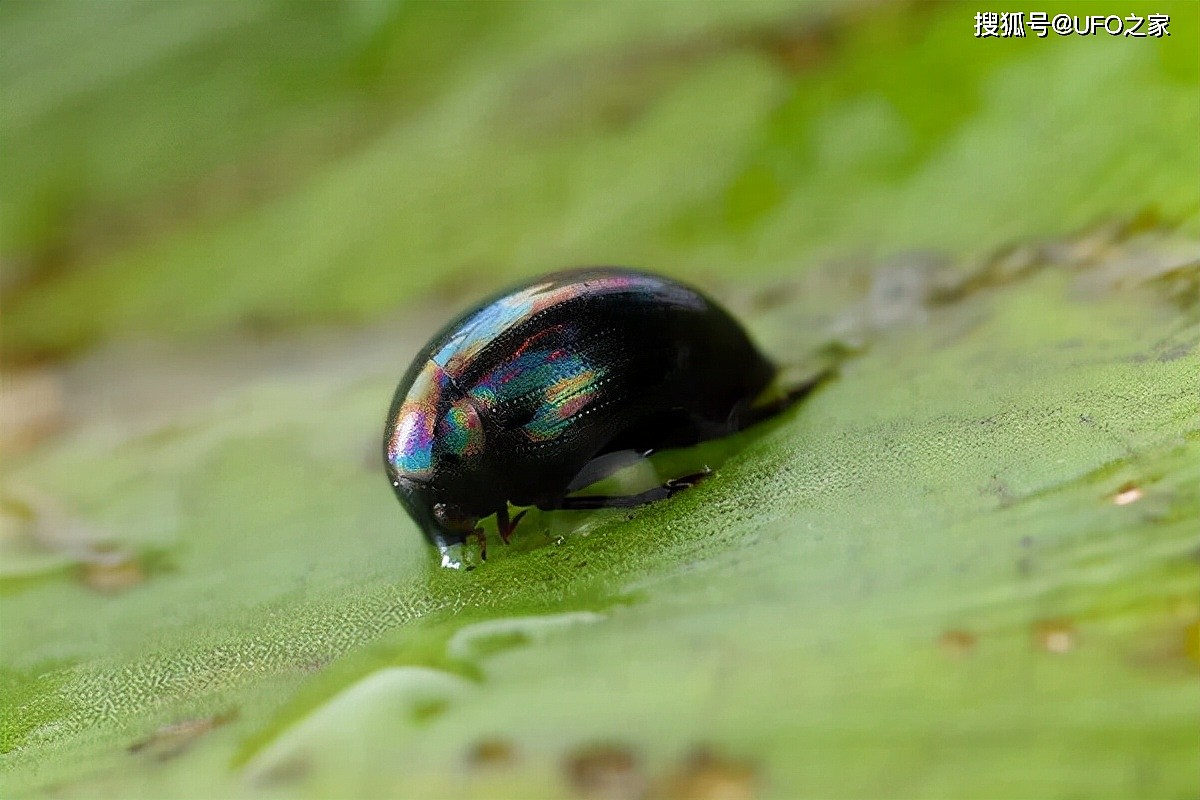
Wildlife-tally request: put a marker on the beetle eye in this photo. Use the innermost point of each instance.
(460, 431)
(451, 516)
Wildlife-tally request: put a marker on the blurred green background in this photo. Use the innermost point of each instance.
(967, 568)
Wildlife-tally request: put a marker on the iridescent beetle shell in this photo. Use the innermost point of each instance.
(509, 403)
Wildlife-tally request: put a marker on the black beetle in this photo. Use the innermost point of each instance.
(547, 387)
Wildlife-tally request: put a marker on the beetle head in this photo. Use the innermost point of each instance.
(446, 525)
(432, 450)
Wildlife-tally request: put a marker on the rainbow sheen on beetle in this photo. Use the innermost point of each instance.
(526, 398)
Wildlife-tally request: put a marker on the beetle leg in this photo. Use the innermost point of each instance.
(481, 537)
(688, 481)
(603, 466)
(504, 526)
(668, 489)
(744, 416)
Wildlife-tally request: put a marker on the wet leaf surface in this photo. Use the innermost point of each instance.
(966, 567)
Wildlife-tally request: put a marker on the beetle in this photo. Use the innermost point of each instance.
(553, 384)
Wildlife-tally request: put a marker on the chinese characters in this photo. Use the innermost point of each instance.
(1012, 24)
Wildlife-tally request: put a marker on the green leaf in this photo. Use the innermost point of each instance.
(966, 567)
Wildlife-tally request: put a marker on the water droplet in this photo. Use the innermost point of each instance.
(395, 697)
(481, 638)
(462, 556)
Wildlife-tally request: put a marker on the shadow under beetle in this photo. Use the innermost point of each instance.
(554, 384)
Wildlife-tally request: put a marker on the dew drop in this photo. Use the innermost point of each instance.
(462, 556)
(481, 638)
(387, 699)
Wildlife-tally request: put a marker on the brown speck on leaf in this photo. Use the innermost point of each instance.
(957, 642)
(492, 753)
(705, 775)
(425, 711)
(999, 488)
(773, 296)
(796, 49)
(1172, 648)
(110, 573)
(1151, 257)
(1181, 286)
(41, 523)
(289, 770)
(605, 772)
(170, 741)
(1186, 608)
(1191, 641)
(1128, 493)
(315, 664)
(31, 408)
(1055, 636)
(1175, 353)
